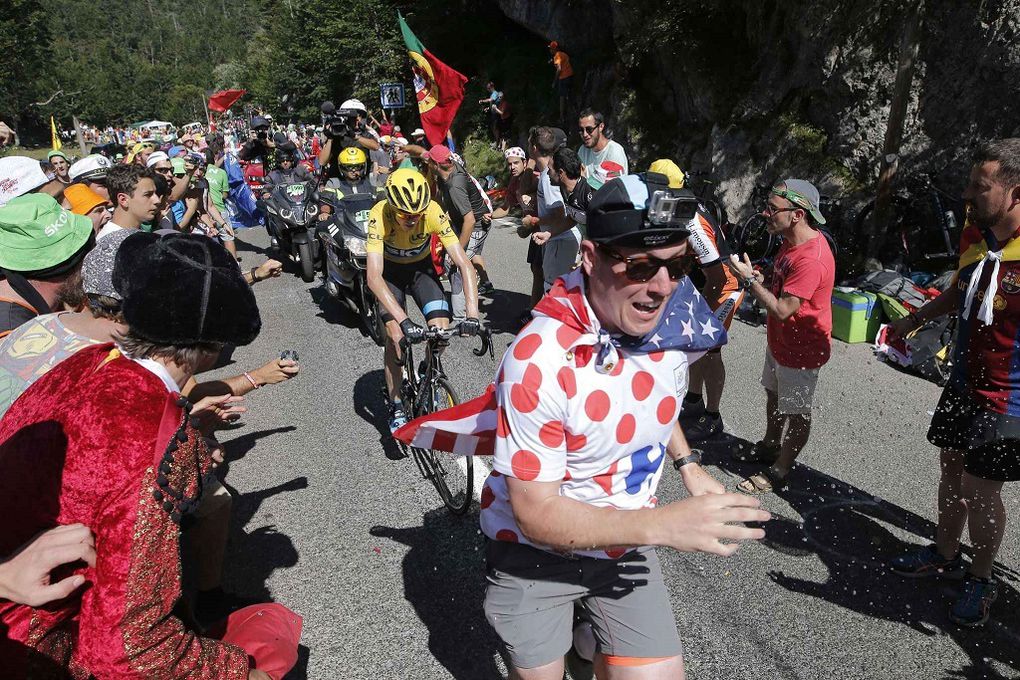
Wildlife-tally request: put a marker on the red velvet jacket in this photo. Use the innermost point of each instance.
(88, 442)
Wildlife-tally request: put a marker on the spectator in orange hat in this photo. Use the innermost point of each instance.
(83, 201)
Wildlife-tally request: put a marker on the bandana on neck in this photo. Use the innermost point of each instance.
(687, 325)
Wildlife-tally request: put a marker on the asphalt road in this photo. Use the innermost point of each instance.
(332, 521)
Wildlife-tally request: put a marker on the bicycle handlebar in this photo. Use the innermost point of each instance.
(433, 334)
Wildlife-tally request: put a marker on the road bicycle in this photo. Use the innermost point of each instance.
(923, 231)
(425, 390)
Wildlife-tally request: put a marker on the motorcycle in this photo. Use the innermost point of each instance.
(291, 210)
(344, 260)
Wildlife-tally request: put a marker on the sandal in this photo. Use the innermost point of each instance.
(761, 483)
(760, 452)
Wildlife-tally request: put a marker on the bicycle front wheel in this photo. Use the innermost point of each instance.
(452, 475)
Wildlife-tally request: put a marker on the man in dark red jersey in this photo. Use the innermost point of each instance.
(977, 422)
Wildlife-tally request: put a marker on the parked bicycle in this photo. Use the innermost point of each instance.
(426, 390)
(923, 231)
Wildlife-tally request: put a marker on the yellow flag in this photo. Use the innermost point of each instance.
(54, 138)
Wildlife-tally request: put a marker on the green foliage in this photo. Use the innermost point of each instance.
(481, 159)
(24, 39)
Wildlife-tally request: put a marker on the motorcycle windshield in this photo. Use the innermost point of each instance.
(294, 194)
(355, 210)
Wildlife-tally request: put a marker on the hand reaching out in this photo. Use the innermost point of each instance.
(25, 578)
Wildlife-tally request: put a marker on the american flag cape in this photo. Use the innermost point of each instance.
(687, 324)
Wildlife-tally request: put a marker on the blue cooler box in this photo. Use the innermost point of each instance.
(856, 315)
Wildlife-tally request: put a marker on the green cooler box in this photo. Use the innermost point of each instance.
(856, 315)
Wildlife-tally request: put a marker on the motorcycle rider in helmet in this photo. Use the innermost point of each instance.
(353, 180)
(289, 171)
(357, 134)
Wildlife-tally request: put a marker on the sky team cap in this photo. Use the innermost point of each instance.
(803, 194)
(90, 167)
(619, 213)
(18, 176)
(37, 235)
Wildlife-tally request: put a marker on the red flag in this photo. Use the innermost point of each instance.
(224, 99)
(438, 88)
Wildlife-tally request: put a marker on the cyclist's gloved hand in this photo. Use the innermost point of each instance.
(470, 327)
(412, 331)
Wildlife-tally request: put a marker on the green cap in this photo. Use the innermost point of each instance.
(56, 152)
(178, 165)
(36, 234)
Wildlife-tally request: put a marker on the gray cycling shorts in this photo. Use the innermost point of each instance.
(531, 595)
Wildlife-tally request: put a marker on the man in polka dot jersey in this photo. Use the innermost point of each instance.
(586, 404)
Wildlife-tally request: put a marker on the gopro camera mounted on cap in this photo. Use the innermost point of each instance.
(668, 207)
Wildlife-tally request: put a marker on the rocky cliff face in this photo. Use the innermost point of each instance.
(752, 89)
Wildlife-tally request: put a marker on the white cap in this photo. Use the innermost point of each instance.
(418, 131)
(90, 167)
(156, 157)
(18, 176)
(515, 152)
(354, 104)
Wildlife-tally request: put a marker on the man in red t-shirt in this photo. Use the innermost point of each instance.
(799, 325)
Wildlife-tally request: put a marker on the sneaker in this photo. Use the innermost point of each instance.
(974, 604)
(397, 418)
(703, 428)
(927, 562)
(486, 288)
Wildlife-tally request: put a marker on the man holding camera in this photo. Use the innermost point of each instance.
(344, 127)
(260, 146)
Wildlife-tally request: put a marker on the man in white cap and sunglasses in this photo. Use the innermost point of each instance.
(799, 324)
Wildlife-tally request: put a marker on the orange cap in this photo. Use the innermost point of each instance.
(82, 199)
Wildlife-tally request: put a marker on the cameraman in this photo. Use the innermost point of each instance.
(259, 146)
(344, 127)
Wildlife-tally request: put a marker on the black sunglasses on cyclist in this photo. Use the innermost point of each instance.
(644, 267)
(588, 129)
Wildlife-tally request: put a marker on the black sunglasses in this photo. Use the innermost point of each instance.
(643, 268)
(588, 129)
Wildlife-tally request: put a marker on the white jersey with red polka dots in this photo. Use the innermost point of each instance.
(601, 433)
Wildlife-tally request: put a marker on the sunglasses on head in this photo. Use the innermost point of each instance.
(643, 267)
(588, 129)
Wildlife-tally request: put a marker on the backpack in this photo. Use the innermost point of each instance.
(928, 351)
(896, 286)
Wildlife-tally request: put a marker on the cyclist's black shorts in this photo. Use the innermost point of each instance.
(420, 279)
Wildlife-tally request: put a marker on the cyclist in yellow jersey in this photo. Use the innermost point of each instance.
(400, 231)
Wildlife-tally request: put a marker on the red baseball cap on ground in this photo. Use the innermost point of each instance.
(439, 154)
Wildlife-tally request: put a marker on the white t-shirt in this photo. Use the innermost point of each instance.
(549, 199)
(108, 228)
(593, 159)
(603, 436)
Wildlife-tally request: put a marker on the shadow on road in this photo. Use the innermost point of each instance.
(370, 404)
(852, 533)
(333, 311)
(253, 555)
(502, 309)
(239, 447)
(444, 580)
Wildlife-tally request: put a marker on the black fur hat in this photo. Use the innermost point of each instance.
(184, 290)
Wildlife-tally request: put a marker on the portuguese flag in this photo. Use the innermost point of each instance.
(438, 88)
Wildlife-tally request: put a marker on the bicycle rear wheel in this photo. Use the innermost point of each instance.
(452, 475)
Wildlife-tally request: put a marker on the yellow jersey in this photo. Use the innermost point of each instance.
(405, 246)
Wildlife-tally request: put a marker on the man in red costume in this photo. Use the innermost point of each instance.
(106, 439)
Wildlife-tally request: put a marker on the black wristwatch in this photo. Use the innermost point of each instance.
(747, 283)
(694, 457)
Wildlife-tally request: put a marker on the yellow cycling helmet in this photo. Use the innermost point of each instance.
(407, 191)
(666, 167)
(352, 155)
